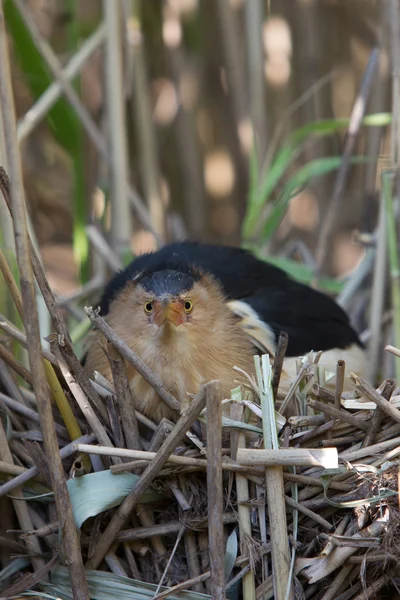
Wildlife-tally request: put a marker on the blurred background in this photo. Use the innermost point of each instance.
(224, 121)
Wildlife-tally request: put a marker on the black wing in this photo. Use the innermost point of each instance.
(312, 320)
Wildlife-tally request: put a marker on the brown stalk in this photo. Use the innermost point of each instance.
(278, 362)
(70, 542)
(214, 490)
(80, 397)
(367, 390)
(125, 510)
(132, 358)
(338, 190)
(124, 398)
(309, 513)
(340, 372)
(342, 415)
(142, 533)
(387, 391)
(15, 364)
(29, 474)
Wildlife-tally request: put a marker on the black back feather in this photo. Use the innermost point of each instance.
(312, 320)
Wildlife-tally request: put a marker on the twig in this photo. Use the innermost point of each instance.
(12, 286)
(80, 397)
(10, 329)
(244, 514)
(43, 104)
(338, 414)
(174, 549)
(214, 489)
(278, 361)
(29, 474)
(133, 359)
(368, 391)
(70, 542)
(309, 513)
(387, 391)
(20, 506)
(124, 399)
(118, 151)
(124, 511)
(30, 414)
(337, 194)
(15, 365)
(340, 371)
(142, 533)
(391, 228)
(290, 457)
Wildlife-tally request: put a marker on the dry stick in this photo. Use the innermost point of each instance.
(244, 515)
(366, 390)
(30, 580)
(309, 513)
(294, 457)
(9, 279)
(342, 415)
(142, 533)
(70, 542)
(80, 397)
(278, 362)
(125, 510)
(124, 399)
(56, 314)
(293, 388)
(15, 364)
(214, 489)
(340, 372)
(133, 359)
(29, 474)
(306, 480)
(387, 391)
(28, 413)
(337, 194)
(20, 506)
(392, 350)
(10, 329)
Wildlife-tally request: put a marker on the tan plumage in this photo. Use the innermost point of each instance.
(206, 346)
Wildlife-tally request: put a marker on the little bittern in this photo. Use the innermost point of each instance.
(194, 311)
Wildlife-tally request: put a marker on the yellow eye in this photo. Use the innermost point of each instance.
(188, 306)
(148, 308)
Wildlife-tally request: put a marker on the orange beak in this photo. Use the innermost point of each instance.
(168, 310)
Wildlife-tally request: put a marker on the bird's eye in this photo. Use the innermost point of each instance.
(148, 308)
(188, 306)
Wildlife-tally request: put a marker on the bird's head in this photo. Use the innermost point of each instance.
(173, 300)
(168, 297)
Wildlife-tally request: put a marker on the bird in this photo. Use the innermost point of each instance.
(194, 311)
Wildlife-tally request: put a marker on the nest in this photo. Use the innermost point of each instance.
(208, 507)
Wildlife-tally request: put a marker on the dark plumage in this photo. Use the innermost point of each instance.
(195, 311)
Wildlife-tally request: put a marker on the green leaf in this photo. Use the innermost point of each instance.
(304, 273)
(314, 168)
(96, 492)
(260, 192)
(61, 118)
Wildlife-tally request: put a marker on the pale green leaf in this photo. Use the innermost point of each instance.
(96, 492)
(230, 554)
(106, 586)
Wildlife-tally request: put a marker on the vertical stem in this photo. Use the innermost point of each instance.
(214, 489)
(387, 181)
(70, 542)
(120, 212)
